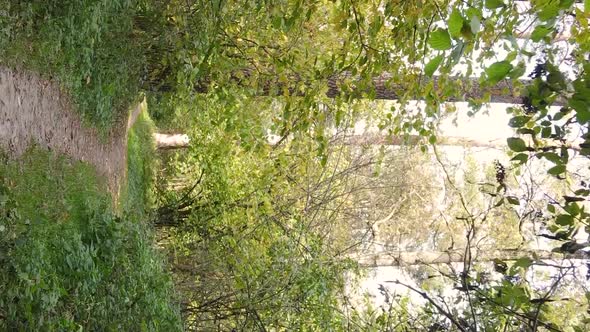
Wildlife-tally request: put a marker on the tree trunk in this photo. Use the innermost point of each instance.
(382, 87)
(171, 141)
(180, 141)
(384, 139)
(457, 256)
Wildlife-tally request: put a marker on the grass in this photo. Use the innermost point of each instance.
(137, 196)
(88, 46)
(68, 263)
(67, 260)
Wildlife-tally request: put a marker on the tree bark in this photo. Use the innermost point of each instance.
(383, 87)
(171, 141)
(384, 139)
(180, 141)
(405, 258)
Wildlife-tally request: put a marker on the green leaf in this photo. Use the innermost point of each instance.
(558, 116)
(432, 65)
(552, 157)
(523, 262)
(518, 121)
(440, 40)
(564, 220)
(513, 200)
(500, 202)
(525, 131)
(518, 71)
(571, 207)
(521, 158)
(551, 208)
(466, 31)
(493, 4)
(556, 170)
(564, 154)
(583, 116)
(455, 24)
(540, 32)
(549, 11)
(516, 144)
(556, 78)
(498, 71)
(566, 4)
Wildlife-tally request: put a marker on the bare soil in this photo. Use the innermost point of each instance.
(34, 110)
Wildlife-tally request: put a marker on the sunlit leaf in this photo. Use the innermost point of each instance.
(440, 40)
(549, 10)
(498, 71)
(456, 21)
(432, 65)
(493, 4)
(540, 32)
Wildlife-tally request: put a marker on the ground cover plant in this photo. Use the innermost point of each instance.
(68, 262)
(261, 218)
(87, 46)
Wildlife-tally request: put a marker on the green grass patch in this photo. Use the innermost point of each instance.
(87, 45)
(67, 263)
(138, 196)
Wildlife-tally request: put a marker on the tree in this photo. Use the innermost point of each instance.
(458, 256)
(311, 67)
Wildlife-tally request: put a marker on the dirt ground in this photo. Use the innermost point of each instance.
(34, 111)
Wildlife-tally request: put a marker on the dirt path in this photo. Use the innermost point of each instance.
(34, 110)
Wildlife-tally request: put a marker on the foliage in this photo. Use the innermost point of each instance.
(138, 196)
(290, 51)
(245, 253)
(88, 46)
(250, 236)
(67, 262)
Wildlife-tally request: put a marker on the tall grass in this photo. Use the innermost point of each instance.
(66, 262)
(138, 195)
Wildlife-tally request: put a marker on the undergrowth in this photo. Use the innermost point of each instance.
(88, 46)
(138, 196)
(67, 262)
